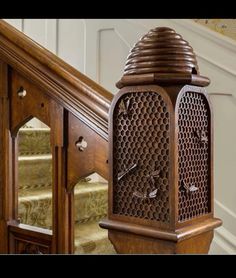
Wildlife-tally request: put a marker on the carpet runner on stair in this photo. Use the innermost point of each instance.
(33, 141)
(35, 195)
(35, 171)
(91, 239)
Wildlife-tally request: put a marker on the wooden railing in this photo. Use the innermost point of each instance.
(36, 83)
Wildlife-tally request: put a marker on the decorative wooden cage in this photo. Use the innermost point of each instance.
(160, 143)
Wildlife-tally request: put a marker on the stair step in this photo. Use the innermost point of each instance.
(35, 205)
(33, 141)
(91, 239)
(35, 194)
(34, 171)
(91, 201)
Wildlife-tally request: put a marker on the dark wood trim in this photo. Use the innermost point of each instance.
(162, 79)
(24, 239)
(6, 185)
(177, 235)
(15, 227)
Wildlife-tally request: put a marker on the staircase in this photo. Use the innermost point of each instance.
(35, 194)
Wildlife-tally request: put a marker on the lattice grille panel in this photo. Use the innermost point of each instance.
(141, 157)
(193, 148)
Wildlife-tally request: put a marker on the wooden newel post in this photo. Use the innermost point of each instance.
(161, 152)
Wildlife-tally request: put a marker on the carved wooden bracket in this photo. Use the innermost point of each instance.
(27, 101)
(29, 248)
(87, 152)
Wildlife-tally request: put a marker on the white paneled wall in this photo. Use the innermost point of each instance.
(89, 45)
(99, 47)
(71, 42)
(109, 48)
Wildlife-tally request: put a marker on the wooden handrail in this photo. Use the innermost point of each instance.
(76, 92)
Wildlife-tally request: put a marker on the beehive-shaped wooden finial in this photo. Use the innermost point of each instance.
(162, 56)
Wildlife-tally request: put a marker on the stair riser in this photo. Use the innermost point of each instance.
(91, 239)
(102, 246)
(34, 174)
(34, 141)
(36, 213)
(89, 206)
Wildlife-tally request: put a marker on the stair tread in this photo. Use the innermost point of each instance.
(35, 207)
(82, 188)
(34, 141)
(35, 157)
(35, 194)
(90, 204)
(34, 129)
(90, 238)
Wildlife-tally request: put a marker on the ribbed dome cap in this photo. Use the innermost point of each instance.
(163, 51)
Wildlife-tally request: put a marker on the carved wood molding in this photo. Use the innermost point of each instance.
(24, 239)
(95, 154)
(177, 235)
(80, 95)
